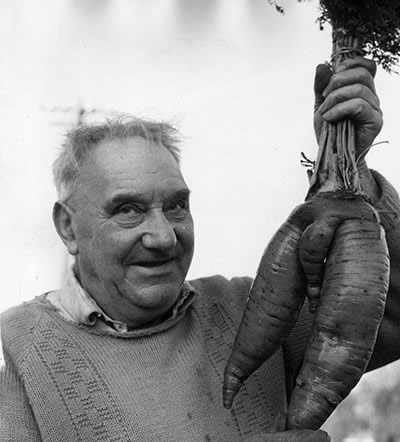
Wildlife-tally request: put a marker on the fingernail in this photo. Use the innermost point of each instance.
(326, 115)
(322, 109)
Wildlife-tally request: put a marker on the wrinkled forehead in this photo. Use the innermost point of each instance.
(134, 150)
(130, 162)
(126, 155)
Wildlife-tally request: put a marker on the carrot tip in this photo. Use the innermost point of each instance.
(313, 295)
(312, 307)
(232, 385)
(228, 397)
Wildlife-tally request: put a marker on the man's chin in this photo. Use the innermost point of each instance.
(158, 297)
(149, 315)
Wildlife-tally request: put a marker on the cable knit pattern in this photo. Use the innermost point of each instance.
(388, 206)
(82, 385)
(388, 345)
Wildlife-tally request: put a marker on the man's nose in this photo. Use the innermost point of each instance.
(159, 233)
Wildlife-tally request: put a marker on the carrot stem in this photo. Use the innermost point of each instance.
(336, 164)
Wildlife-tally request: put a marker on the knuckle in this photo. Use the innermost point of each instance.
(365, 75)
(359, 108)
(336, 81)
(370, 66)
(361, 62)
(359, 89)
(379, 121)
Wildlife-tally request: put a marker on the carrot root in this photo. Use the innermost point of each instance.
(347, 230)
(346, 323)
(276, 297)
(313, 248)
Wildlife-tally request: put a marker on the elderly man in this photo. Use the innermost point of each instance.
(128, 349)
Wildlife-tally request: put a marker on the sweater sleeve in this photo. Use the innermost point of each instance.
(387, 348)
(17, 422)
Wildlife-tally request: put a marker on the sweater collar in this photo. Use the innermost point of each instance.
(75, 304)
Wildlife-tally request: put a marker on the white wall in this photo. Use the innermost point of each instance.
(235, 75)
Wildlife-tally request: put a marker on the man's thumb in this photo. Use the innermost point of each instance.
(322, 75)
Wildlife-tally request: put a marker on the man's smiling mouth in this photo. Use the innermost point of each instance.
(154, 263)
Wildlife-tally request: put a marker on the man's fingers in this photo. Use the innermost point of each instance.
(357, 110)
(346, 93)
(349, 93)
(357, 75)
(352, 71)
(355, 62)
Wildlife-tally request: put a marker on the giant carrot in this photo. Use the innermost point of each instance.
(269, 317)
(292, 261)
(346, 322)
(340, 258)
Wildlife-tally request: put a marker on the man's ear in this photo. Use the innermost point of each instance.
(62, 218)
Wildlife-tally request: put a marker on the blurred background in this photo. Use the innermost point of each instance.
(235, 76)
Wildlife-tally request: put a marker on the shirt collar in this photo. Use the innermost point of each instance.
(74, 303)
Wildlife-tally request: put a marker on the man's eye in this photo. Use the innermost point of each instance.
(177, 207)
(127, 209)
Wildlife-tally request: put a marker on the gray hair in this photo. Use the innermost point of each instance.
(82, 139)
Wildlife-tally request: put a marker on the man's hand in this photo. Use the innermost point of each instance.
(350, 93)
(292, 436)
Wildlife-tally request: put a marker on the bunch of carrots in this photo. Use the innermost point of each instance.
(332, 250)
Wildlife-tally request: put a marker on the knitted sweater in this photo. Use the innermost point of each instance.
(69, 382)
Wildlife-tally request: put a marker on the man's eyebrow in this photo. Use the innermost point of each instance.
(139, 197)
(180, 193)
(121, 198)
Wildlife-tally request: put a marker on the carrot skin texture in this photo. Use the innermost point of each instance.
(277, 295)
(346, 323)
(278, 290)
(313, 248)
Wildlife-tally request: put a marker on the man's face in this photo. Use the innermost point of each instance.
(133, 229)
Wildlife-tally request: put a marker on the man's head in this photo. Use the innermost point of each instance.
(124, 214)
(81, 141)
